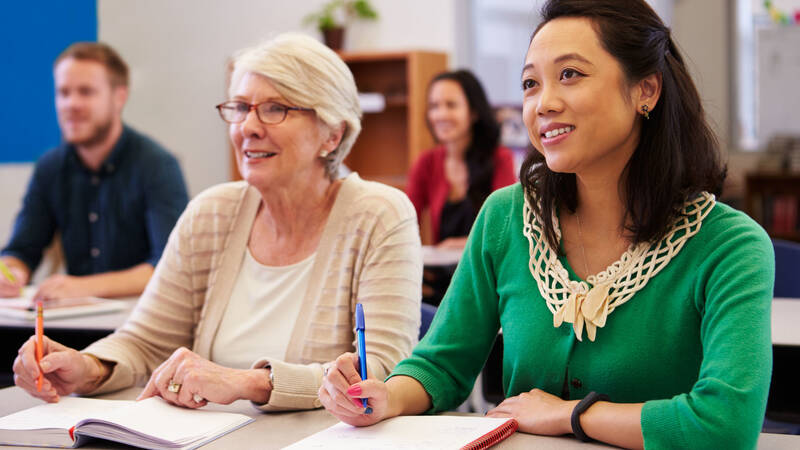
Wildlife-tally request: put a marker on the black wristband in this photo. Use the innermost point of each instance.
(580, 408)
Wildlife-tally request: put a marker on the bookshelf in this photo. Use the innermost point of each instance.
(390, 140)
(773, 200)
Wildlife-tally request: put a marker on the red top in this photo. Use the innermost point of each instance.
(428, 187)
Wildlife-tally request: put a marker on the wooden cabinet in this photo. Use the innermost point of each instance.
(773, 200)
(392, 139)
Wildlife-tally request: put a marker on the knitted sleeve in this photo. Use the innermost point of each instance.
(386, 273)
(725, 407)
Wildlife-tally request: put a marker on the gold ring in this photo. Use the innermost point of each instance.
(174, 387)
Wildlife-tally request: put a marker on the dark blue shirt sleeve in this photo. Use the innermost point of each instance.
(165, 198)
(35, 224)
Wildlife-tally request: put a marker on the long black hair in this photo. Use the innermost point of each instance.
(485, 135)
(677, 156)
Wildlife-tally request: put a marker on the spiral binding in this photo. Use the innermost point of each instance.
(493, 437)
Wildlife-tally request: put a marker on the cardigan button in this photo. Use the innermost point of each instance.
(576, 383)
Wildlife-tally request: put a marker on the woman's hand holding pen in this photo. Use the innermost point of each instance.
(189, 380)
(65, 370)
(342, 390)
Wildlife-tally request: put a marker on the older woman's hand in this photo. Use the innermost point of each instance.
(188, 380)
(537, 412)
(342, 390)
(65, 369)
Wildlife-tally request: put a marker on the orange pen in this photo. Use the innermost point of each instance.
(39, 343)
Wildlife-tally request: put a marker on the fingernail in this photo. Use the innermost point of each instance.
(354, 390)
(357, 402)
(45, 365)
(368, 410)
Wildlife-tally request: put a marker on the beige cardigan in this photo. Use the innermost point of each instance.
(369, 252)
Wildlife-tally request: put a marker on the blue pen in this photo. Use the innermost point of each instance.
(362, 350)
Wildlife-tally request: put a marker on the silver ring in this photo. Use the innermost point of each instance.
(197, 398)
(174, 387)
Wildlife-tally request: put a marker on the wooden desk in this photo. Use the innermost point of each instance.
(276, 430)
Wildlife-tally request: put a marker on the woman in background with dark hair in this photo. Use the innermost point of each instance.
(453, 180)
(635, 308)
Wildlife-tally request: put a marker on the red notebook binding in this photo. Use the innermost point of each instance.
(493, 437)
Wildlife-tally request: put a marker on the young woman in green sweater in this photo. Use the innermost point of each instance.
(675, 331)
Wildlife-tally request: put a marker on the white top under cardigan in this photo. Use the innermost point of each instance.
(263, 308)
(369, 252)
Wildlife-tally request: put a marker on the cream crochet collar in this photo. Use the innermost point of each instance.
(576, 302)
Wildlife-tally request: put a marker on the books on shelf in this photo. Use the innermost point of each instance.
(413, 432)
(150, 423)
(24, 308)
(783, 214)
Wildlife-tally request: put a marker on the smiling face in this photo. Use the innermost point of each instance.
(579, 110)
(86, 103)
(448, 112)
(277, 155)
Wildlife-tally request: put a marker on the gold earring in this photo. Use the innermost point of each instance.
(646, 112)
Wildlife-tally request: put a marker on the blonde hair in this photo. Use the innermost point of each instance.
(310, 75)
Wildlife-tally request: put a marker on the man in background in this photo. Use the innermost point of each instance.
(111, 193)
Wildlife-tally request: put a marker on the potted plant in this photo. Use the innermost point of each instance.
(334, 17)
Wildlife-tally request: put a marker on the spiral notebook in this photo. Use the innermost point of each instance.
(150, 423)
(414, 432)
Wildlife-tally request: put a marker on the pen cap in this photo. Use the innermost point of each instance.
(359, 317)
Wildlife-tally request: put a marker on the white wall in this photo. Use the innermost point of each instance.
(178, 50)
(700, 28)
(13, 181)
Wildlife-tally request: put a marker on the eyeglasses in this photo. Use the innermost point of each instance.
(268, 112)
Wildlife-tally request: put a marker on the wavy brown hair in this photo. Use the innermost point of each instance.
(479, 155)
(677, 156)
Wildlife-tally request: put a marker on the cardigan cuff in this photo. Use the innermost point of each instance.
(121, 376)
(294, 386)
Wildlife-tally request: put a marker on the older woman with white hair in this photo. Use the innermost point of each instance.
(260, 278)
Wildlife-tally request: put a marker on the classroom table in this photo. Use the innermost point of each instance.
(277, 430)
(76, 332)
(438, 257)
(783, 404)
(785, 320)
(784, 399)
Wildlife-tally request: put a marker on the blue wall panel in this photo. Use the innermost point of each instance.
(32, 34)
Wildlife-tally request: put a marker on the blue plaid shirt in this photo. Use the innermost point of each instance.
(112, 219)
